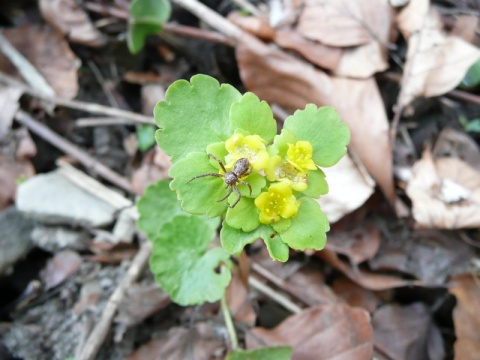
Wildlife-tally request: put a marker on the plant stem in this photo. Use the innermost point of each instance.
(229, 323)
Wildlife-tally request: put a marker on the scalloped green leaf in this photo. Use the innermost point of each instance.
(256, 181)
(234, 240)
(317, 184)
(252, 115)
(194, 115)
(183, 266)
(159, 205)
(324, 129)
(244, 215)
(308, 228)
(156, 207)
(277, 249)
(199, 196)
(146, 18)
(267, 353)
(282, 140)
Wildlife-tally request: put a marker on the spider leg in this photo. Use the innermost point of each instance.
(247, 184)
(248, 172)
(217, 160)
(226, 196)
(239, 196)
(203, 175)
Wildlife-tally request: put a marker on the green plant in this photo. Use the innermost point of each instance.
(229, 165)
(146, 18)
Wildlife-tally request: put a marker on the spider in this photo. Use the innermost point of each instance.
(240, 169)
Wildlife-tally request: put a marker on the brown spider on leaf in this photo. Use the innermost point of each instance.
(240, 169)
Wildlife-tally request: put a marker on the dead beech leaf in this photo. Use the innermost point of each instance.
(320, 332)
(354, 34)
(50, 55)
(436, 63)
(9, 97)
(238, 300)
(366, 279)
(68, 18)
(466, 317)
(458, 144)
(355, 295)
(254, 25)
(200, 342)
(291, 83)
(407, 333)
(60, 267)
(154, 167)
(445, 193)
(359, 244)
(465, 27)
(151, 94)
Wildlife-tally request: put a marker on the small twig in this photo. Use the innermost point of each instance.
(229, 322)
(26, 69)
(66, 146)
(100, 332)
(79, 105)
(101, 80)
(100, 121)
(248, 6)
(274, 295)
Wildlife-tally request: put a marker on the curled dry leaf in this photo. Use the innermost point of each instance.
(361, 28)
(60, 268)
(199, 342)
(436, 63)
(68, 18)
(291, 83)
(445, 193)
(458, 144)
(254, 25)
(407, 332)
(320, 332)
(49, 54)
(359, 244)
(466, 317)
(366, 279)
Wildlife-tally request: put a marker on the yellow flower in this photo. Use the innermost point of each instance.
(279, 170)
(300, 156)
(251, 147)
(278, 202)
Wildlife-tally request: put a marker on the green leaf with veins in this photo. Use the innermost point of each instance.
(267, 353)
(234, 240)
(194, 115)
(244, 215)
(199, 196)
(254, 116)
(183, 266)
(308, 228)
(323, 128)
(159, 205)
(317, 184)
(277, 249)
(146, 18)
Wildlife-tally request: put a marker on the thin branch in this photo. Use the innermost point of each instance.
(229, 322)
(79, 105)
(100, 332)
(274, 295)
(66, 146)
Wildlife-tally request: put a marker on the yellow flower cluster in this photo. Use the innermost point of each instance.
(286, 173)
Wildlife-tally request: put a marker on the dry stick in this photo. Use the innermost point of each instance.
(66, 146)
(274, 295)
(79, 105)
(100, 332)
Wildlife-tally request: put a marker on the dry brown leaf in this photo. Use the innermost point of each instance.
(151, 95)
(407, 333)
(254, 25)
(239, 301)
(337, 332)
(9, 97)
(49, 54)
(359, 244)
(458, 144)
(291, 83)
(60, 267)
(349, 187)
(327, 57)
(368, 280)
(68, 18)
(355, 295)
(348, 37)
(466, 317)
(445, 193)
(200, 342)
(436, 63)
